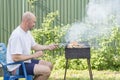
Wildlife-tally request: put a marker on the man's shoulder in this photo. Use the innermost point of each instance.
(16, 32)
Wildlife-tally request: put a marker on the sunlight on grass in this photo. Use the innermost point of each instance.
(83, 75)
(1, 78)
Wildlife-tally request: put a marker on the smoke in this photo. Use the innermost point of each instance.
(101, 17)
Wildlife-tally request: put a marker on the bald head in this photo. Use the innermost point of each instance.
(28, 16)
(28, 21)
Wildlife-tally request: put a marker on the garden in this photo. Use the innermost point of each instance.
(101, 29)
(104, 59)
(103, 38)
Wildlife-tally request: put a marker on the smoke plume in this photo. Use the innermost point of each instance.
(101, 17)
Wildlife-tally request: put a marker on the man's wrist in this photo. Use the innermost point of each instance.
(45, 47)
(32, 56)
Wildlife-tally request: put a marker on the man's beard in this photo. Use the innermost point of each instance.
(31, 28)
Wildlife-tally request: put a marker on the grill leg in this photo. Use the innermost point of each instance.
(90, 71)
(66, 69)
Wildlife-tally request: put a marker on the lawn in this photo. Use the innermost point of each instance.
(83, 75)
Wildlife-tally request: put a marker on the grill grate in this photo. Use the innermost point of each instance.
(82, 52)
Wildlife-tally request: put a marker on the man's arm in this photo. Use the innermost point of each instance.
(39, 47)
(21, 57)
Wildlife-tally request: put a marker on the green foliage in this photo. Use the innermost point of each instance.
(108, 55)
(48, 33)
(74, 64)
(60, 62)
(105, 56)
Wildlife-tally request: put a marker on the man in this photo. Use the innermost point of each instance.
(20, 45)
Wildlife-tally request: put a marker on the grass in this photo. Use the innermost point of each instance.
(83, 75)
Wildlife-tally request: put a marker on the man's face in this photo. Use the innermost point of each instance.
(31, 23)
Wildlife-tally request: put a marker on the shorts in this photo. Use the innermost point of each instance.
(29, 67)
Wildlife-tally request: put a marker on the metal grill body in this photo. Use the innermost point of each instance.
(76, 53)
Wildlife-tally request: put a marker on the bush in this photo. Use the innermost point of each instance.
(108, 55)
(48, 33)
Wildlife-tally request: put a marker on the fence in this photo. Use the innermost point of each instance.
(12, 10)
(69, 10)
(10, 16)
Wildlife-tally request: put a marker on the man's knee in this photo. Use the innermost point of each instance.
(47, 73)
(42, 69)
(50, 65)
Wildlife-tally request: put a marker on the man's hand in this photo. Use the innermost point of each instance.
(37, 54)
(52, 46)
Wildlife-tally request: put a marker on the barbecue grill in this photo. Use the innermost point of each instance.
(79, 50)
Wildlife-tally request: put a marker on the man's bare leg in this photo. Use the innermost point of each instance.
(42, 70)
(49, 64)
